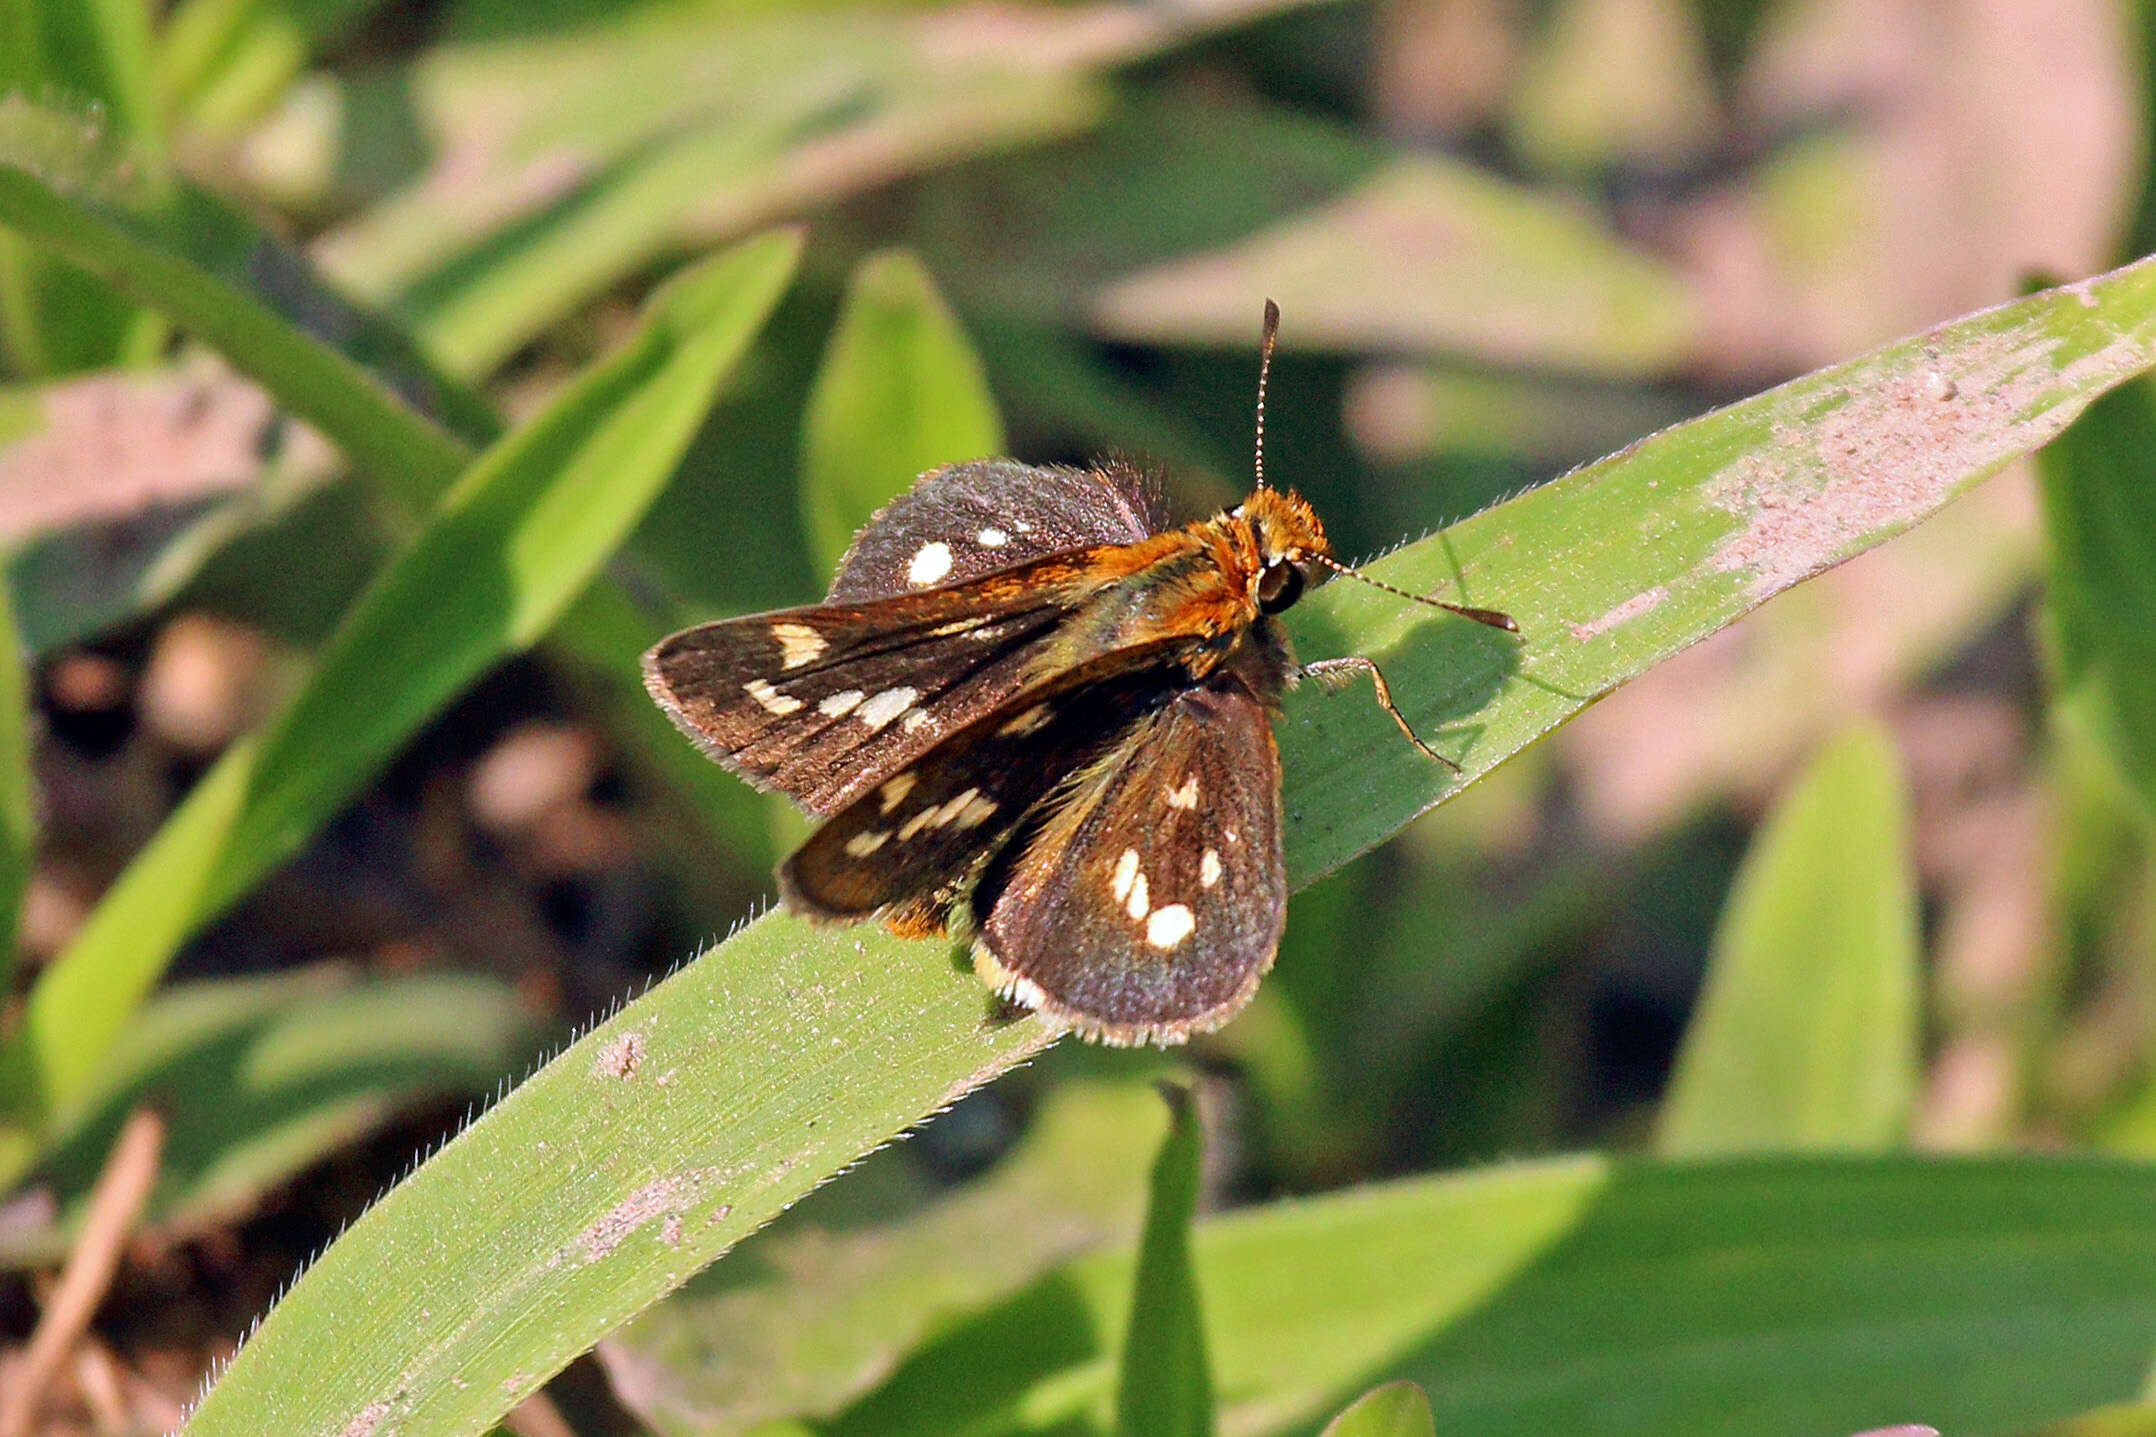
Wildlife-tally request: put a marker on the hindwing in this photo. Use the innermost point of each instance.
(1143, 902)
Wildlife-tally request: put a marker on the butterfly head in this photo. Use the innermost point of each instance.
(1288, 539)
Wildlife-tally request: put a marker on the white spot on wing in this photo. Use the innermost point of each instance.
(861, 845)
(976, 813)
(1187, 795)
(840, 704)
(886, 706)
(930, 563)
(772, 700)
(992, 538)
(1139, 899)
(914, 719)
(1126, 871)
(798, 644)
(1209, 869)
(894, 790)
(957, 626)
(1169, 925)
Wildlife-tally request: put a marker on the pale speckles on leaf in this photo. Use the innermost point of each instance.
(1185, 797)
(1887, 445)
(886, 706)
(1169, 925)
(1126, 873)
(1209, 868)
(621, 1057)
(861, 845)
(798, 644)
(1625, 612)
(930, 563)
(772, 699)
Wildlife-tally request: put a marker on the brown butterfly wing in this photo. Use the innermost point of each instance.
(959, 523)
(1144, 902)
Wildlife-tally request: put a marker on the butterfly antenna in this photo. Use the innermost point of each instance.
(1492, 617)
(1265, 370)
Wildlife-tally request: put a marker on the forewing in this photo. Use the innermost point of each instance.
(909, 845)
(967, 520)
(821, 703)
(1145, 902)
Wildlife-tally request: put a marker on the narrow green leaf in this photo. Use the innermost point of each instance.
(18, 799)
(901, 392)
(1780, 1297)
(76, 191)
(512, 544)
(1808, 1032)
(1164, 1388)
(1397, 1409)
(2100, 520)
(260, 1077)
(814, 1309)
(801, 1048)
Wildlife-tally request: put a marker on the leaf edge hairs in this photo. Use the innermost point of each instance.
(1034, 708)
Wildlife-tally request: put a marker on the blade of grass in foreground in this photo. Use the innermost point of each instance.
(507, 551)
(705, 1107)
(1627, 1298)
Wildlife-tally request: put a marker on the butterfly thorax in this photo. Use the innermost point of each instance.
(1216, 582)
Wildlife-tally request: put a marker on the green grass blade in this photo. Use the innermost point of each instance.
(511, 546)
(790, 1050)
(1781, 1297)
(816, 1307)
(1397, 1409)
(18, 802)
(2100, 513)
(1163, 1388)
(258, 1078)
(1808, 1032)
(900, 392)
(200, 264)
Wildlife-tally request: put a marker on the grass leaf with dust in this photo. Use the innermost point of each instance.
(805, 1047)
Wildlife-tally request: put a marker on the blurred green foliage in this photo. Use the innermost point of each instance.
(465, 242)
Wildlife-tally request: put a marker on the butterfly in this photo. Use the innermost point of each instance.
(1032, 700)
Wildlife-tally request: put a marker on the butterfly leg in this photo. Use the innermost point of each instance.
(1332, 673)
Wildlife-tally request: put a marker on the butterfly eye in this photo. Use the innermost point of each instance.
(1279, 586)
